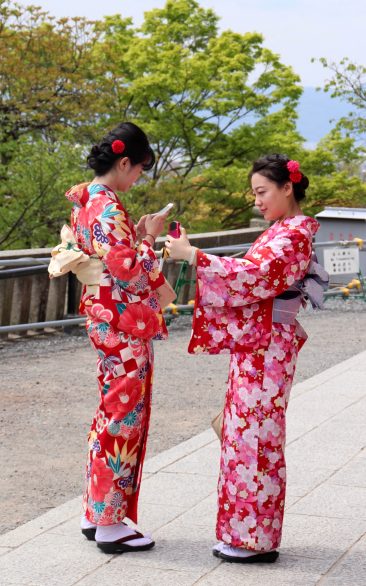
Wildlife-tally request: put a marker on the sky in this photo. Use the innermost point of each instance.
(296, 29)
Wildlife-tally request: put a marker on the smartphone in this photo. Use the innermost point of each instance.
(174, 229)
(164, 210)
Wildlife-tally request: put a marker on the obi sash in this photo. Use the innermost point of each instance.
(311, 288)
(67, 256)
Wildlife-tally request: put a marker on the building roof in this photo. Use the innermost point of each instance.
(343, 213)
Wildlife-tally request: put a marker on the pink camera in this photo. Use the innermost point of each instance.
(174, 229)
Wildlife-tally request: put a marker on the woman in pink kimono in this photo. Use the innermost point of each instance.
(248, 306)
(121, 302)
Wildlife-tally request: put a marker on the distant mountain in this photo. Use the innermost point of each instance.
(318, 113)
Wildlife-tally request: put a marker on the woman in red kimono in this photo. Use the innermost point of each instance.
(248, 306)
(123, 316)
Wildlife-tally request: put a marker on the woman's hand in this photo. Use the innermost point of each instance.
(180, 248)
(154, 224)
(141, 228)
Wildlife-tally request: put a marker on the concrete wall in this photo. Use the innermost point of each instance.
(334, 229)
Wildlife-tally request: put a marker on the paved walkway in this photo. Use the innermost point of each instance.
(324, 539)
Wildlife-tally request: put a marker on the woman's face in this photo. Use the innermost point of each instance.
(127, 174)
(273, 202)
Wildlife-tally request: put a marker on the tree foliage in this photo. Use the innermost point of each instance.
(210, 101)
(46, 75)
(348, 82)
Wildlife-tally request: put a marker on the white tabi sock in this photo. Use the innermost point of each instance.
(86, 524)
(109, 533)
(240, 552)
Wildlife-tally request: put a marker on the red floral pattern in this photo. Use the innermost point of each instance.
(234, 295)
(101, 478)
(122, 396)
(121, 262)
(117, 438)
(234, 298)
(139, 321)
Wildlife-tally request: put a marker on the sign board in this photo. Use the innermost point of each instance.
(341, 260)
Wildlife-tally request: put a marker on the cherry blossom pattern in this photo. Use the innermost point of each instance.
(233, 312)
(252, 479)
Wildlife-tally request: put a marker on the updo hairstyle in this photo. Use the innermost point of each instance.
(126, 140)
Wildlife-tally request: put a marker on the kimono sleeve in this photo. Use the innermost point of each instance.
(134, 268)
(264, 273)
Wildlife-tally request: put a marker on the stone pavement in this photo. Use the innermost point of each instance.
(324, 540)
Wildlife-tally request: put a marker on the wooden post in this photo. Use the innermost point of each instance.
(7, 301)
(43, 288)
(61, 294)
(25, 285)
(73, 295)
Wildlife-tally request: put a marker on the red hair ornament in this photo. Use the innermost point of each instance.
(118, 146)
(294, 171)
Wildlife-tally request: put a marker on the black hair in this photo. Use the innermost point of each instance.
(274, 167)
(137, 148)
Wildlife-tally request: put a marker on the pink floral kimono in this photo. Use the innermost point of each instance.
(123, 316)
(235, 311)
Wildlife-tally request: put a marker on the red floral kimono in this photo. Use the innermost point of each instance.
(233, 312)
(123, 315)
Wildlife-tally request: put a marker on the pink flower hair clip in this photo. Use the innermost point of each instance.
(293, 168)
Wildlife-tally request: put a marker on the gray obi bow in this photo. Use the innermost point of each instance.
(314, 284)
(311, 288)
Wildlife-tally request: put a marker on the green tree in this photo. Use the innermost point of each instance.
(333, 170)
(211, 102)
(190, 86)
(34, 208)
(348, 82)
(46, 76)
(207, 100)
(48, 102)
